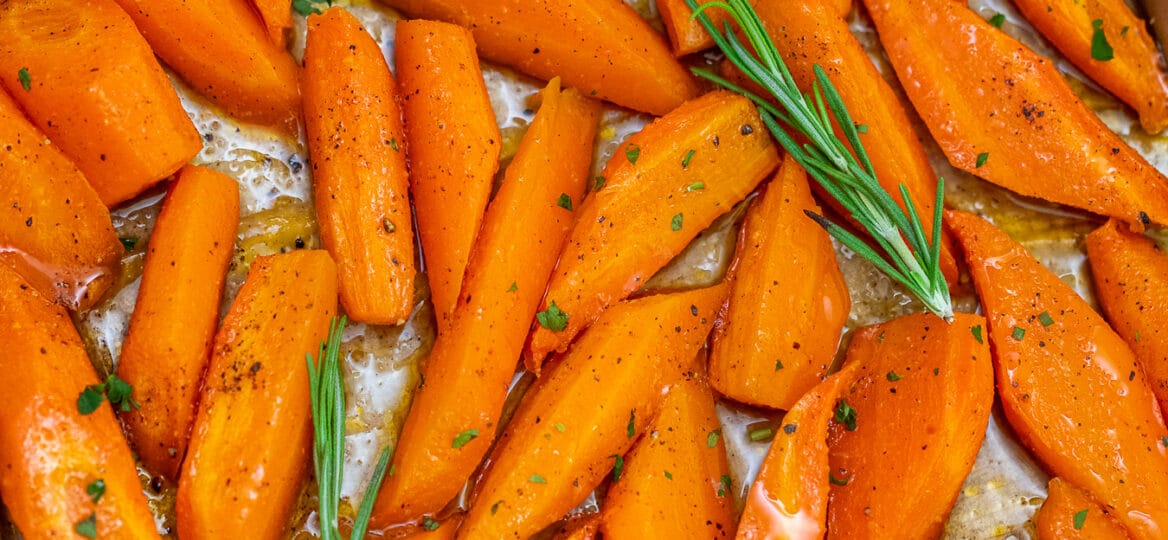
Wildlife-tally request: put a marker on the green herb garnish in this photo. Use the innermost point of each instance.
(1019, 333)
(675, 223)
(565, 202)
(762, 434)
(25, 79)
(976, 331)
(537, 479)
(688, 156)
(845, 414)
(1100, 48)
(1045, 318)
(712, 438)
(461, 439)
(431, 524)
(724, 485)
(982, 158)
(632, 152)
(87, 527)
(1080, 518)
(997, 20)
(632, 428)
(893, 377)
(95, 490)
(553, 318)
(696, 186)
(618, 467)
(117, 391)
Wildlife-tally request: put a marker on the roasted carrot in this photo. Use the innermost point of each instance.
(672, 482)
(455, 414)
(662, 187)
(604, 393)
(1125, 61)
(688, 36)
(601, 47)
(277, 18)
(1070, 513)
(63, 470)
(1004, 113)
(360, 183)
(87, 79)
(778, 332)
(921, 399)
(428, 529)
(454, 147)
(1069, 385)
(584, 527)
(56, 227)
(221, 48)
(250, 445)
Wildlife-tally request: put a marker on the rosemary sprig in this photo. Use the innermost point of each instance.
(908, 256)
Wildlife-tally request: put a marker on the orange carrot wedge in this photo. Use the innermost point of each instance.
(56, 226)
(1131, 281)
(54, 458)
(601, 47)
(663, 186)
(1126, 62)
(921, 395)
(454, 147)
(671, 485)
(454, 416)
(277, 18)
(221, 48)
(1069, 513)
(360, 183)
(1004, 113)
(568, 433)
(251, 442)
(778, 333)
(686, 35)
(1069, 385)
(169, 342)
(86, 77)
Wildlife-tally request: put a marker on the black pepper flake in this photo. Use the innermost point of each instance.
(790, 429)
(746, 129)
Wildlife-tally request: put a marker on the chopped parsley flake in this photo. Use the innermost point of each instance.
(696, 186)
(514, 286)
(632, 429)
(712, 438)
(1019, 333)
(893, 377)
(632, 152)
(1045, 319)
(982, 158)
(1100, 48)
(688, 156)
(675, 223)
(560, 427)
(618, 467)
(976, 330)
(762, 434)
(87, 527)
(837, 481)
(461, 439)
(95, 490)
(725, 485)
(565, 202)
(598, 183)
(431, 524)
(128, 242)
(537, 479)
(668, 475)
(552, 318)
(1080, 518)
(845, 414)
(997, 20)
(117, 391)
(25, 79)
(778, 365)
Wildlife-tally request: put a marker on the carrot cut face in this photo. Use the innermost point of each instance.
(1070, 513)
(360, 182)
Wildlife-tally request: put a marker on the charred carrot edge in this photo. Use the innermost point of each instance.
(1013, 121)
(592, 406)
(917, 371)
(1070, 513)
(277, 18)
(360, 183)
(51, 453)
(57, 227)
(250, 445)
(778, 332)
(169, 341)
(1051, 350)
(603, 47)
(96, 90)
(583, 527)
(663, 186)
(454, 416)
(454, 147)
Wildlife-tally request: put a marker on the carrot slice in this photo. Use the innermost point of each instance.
(601, 47)
(778, 332)
(277, 18)
(454, 416)
(922, 394)
(663, 186)
(1069, 385)
(1004, 113)
(169, 342)
(1070, 513)
(360, 183)
(591, 407)
(250, 445)
(96, 90)
(454, 147)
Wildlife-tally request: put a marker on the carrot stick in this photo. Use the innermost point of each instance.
(222, 49)
(454, 147)
(96, 90)
(250, 445)
(169, 342)
(277, 18)
(590, 408)
(1004, 113)
(663, 186)
(601, 47)
(58, 228)
(1070, 513)
(1069, 385)
(671, 485)
(50, 453)
(922, 395)
(360, 183)
(778, 332)
(471, 365)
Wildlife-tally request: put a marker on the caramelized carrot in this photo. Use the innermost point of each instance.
(1069, 513)
(601, 47)
(96, 90)
(1004, 113)
(584, 527)
(50, 453)
(663, 186)
(921, 394)
(686, 35)
(577, 420)
(454, 416)
(277, 18)
(778, 332)
(56, 226)
(454, 147)
(169, 342)
(250, 445)
(360, 183)
(1069, 385)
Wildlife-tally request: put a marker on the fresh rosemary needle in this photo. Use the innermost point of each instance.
(908, 256)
